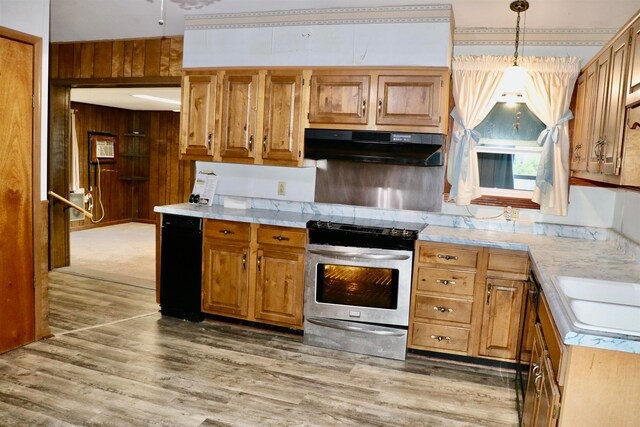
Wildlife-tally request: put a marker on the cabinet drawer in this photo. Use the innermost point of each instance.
(227, 230)
(445, 281)
(438, 337)
(446, 255)
(282, 236)
(439, 308)
(510, 262)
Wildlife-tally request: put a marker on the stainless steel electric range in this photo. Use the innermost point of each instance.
(358, 287)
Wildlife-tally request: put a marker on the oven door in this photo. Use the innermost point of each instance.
(358, 284)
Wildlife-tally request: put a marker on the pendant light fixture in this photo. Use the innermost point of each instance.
(515, 76)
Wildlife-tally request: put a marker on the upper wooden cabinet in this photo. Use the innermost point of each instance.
(409, 100)
(239, 116)
(633, 86)
(281, 128)
(339, 99)
(198, 130)
(608, 84)
(414, 100)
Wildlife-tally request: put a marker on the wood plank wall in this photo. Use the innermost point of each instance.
(157, 57)
(124, 200)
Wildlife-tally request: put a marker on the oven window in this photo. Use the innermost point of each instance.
(357, 286)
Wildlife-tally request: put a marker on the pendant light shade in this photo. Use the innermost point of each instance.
(516, 75)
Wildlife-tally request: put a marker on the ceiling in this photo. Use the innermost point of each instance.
(82, 20)
(123, 98)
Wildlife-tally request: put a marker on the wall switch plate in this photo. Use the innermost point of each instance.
(282, 187)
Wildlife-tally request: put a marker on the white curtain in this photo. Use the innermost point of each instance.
(476, 85)
(548, 92)
(74, 183)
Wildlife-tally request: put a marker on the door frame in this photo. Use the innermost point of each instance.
(39, 206)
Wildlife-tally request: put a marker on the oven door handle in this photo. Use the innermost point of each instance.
(329, 323)
(352, 255)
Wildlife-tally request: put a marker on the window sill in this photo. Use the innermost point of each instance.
(492, 200)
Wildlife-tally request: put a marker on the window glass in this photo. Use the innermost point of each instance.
(508, 153)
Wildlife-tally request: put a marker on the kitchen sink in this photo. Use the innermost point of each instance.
(601, 305)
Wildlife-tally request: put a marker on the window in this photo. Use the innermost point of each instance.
(508, 153)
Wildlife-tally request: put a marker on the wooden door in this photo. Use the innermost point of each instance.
(339, 99)
(548, 396)
(409, 100)
(602, 66)
(17, 316)
(530, 408)
(614, 116)
(501, 318)
(633, 85)
(282, 112)
(279, 286)
(198, 127)
(582, 121)
(239, 114)
(225, 283)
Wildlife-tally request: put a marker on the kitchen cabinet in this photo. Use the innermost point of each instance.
(633, 79)
(254, 272)
(467, 300)
(443, 297)
(413, 100)
(282, 133)
(239, 116)
(606, 88)
(198, 116)
(225, 282)
(339, 98)
(507, 275)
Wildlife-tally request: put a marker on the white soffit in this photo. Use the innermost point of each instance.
(122, 98)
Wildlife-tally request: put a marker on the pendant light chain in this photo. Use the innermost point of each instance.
(515, 55)
(518, 6)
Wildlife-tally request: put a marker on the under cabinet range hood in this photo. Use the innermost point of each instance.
(396, 148)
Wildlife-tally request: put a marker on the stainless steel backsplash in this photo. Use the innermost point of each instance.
(378, 185)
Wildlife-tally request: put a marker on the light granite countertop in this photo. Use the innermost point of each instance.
(551, 256)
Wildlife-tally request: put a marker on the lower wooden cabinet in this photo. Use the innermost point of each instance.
(467, 300)
(253, 272)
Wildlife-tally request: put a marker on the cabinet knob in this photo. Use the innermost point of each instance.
(445, 282)
(441, 338)
(225, 232)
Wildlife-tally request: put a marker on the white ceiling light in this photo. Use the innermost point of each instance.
(157, 99)
(515, 76)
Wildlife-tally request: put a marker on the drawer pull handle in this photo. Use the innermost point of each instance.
(225, 232)
(448, 257)
(281, 238)
(440, 338)
(380, 105)
(443, 309)
(260, 263)
(244, 261)
(264, 144)
(445, 282)
(489, 286)
(364, 106)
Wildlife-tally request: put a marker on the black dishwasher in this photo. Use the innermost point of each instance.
(181, 267)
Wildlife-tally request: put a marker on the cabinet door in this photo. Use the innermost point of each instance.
(339, 99)
(199, 102)
(225, 283)
(528, 328)
(614, 116)
(501, 318)
(279, 286)
(530, 408)
(633, 85)
(581, 130)
(239, 113)
(548, 396)
(409, 100)
(282, 110)
(602, 66)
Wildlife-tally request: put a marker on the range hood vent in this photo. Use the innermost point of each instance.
(396, 148)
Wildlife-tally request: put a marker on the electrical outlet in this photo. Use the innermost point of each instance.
(282, 188)
(511, 213)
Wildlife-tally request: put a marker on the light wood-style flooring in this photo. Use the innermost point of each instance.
(116, 362)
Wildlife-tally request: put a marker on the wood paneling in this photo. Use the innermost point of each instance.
(155, 57)
(169, 178)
